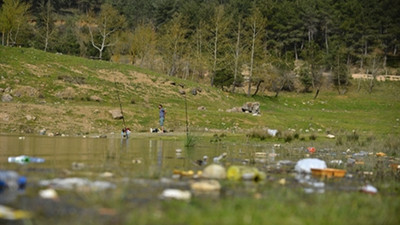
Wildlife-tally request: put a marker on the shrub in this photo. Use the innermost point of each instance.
(287, 136)
(392, 144)
(257, 133)
(313, 137)
(353, 136)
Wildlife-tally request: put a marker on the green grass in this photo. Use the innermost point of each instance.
(375, 113)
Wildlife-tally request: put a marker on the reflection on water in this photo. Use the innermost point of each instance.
(122, 157)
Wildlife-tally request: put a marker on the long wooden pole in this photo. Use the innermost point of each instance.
(120, 105)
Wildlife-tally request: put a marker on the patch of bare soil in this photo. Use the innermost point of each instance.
(36, 70)
(31, 118)
(112, 76)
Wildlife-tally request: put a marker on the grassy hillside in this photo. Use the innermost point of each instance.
(73, 95)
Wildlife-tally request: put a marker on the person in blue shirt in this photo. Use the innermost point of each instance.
(162, 117)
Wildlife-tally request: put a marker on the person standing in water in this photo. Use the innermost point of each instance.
(162, 117)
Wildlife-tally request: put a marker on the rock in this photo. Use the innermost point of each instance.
(95, 98)
(29, 117)
(195, 91)
(305, 165)
(330, 136)
(201, 108)
(116, 114)
(26, 92)
(234, 109)
(214, 171)
(6, 98)
(251, 107)
(68, 93)
(4, 117)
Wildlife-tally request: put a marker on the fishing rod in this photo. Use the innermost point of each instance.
(120, 105)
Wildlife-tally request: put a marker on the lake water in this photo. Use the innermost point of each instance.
(116, 155)
(142, 167)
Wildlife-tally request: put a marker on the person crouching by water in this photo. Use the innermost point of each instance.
(125, 132)
(162, 117)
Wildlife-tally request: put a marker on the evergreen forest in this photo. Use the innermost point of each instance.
(254, 45)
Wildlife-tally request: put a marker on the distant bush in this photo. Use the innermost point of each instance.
(313, 137)
(258, 133)
(353, 136)
(287, 136)
(392, 144)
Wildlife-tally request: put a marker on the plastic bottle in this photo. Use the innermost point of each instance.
(11, 180)
(22, 159)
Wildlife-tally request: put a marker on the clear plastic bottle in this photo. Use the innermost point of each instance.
(22, 159)
(11, 180)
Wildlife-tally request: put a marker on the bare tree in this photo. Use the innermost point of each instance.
(256, 23)
(173, 42)
(104, 26)
(143, 45)
(47, 21)
(237, 55)
(219, 25)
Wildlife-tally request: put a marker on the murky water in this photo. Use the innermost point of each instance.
(121, 156)
(142, 168)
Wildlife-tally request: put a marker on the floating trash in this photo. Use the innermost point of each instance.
(369, 189)
(245, 173)
(219, 158)
(206, 186)
(260, 154)
(311, 149)
(214, 171)
(328, 172)
(176, 194)
(282, 181)
(136, 161)
(8, 213)
(336, 161)
(272, 132)
(49, 193)
(188, 173)
(395, 167)
(202, 162)
(11, 180)
(23, 159)
(360, 154)
(305, 165)
(380, 154)
(77, 183)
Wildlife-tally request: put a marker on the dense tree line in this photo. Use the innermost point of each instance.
(265, 44)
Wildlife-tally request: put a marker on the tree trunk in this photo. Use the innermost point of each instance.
(316, 94)
(214, 70)
(326, 39)
(252, 59)
(2, 37)
(237, 53)
(258, 87)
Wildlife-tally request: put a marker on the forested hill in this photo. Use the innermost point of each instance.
(227, 43)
